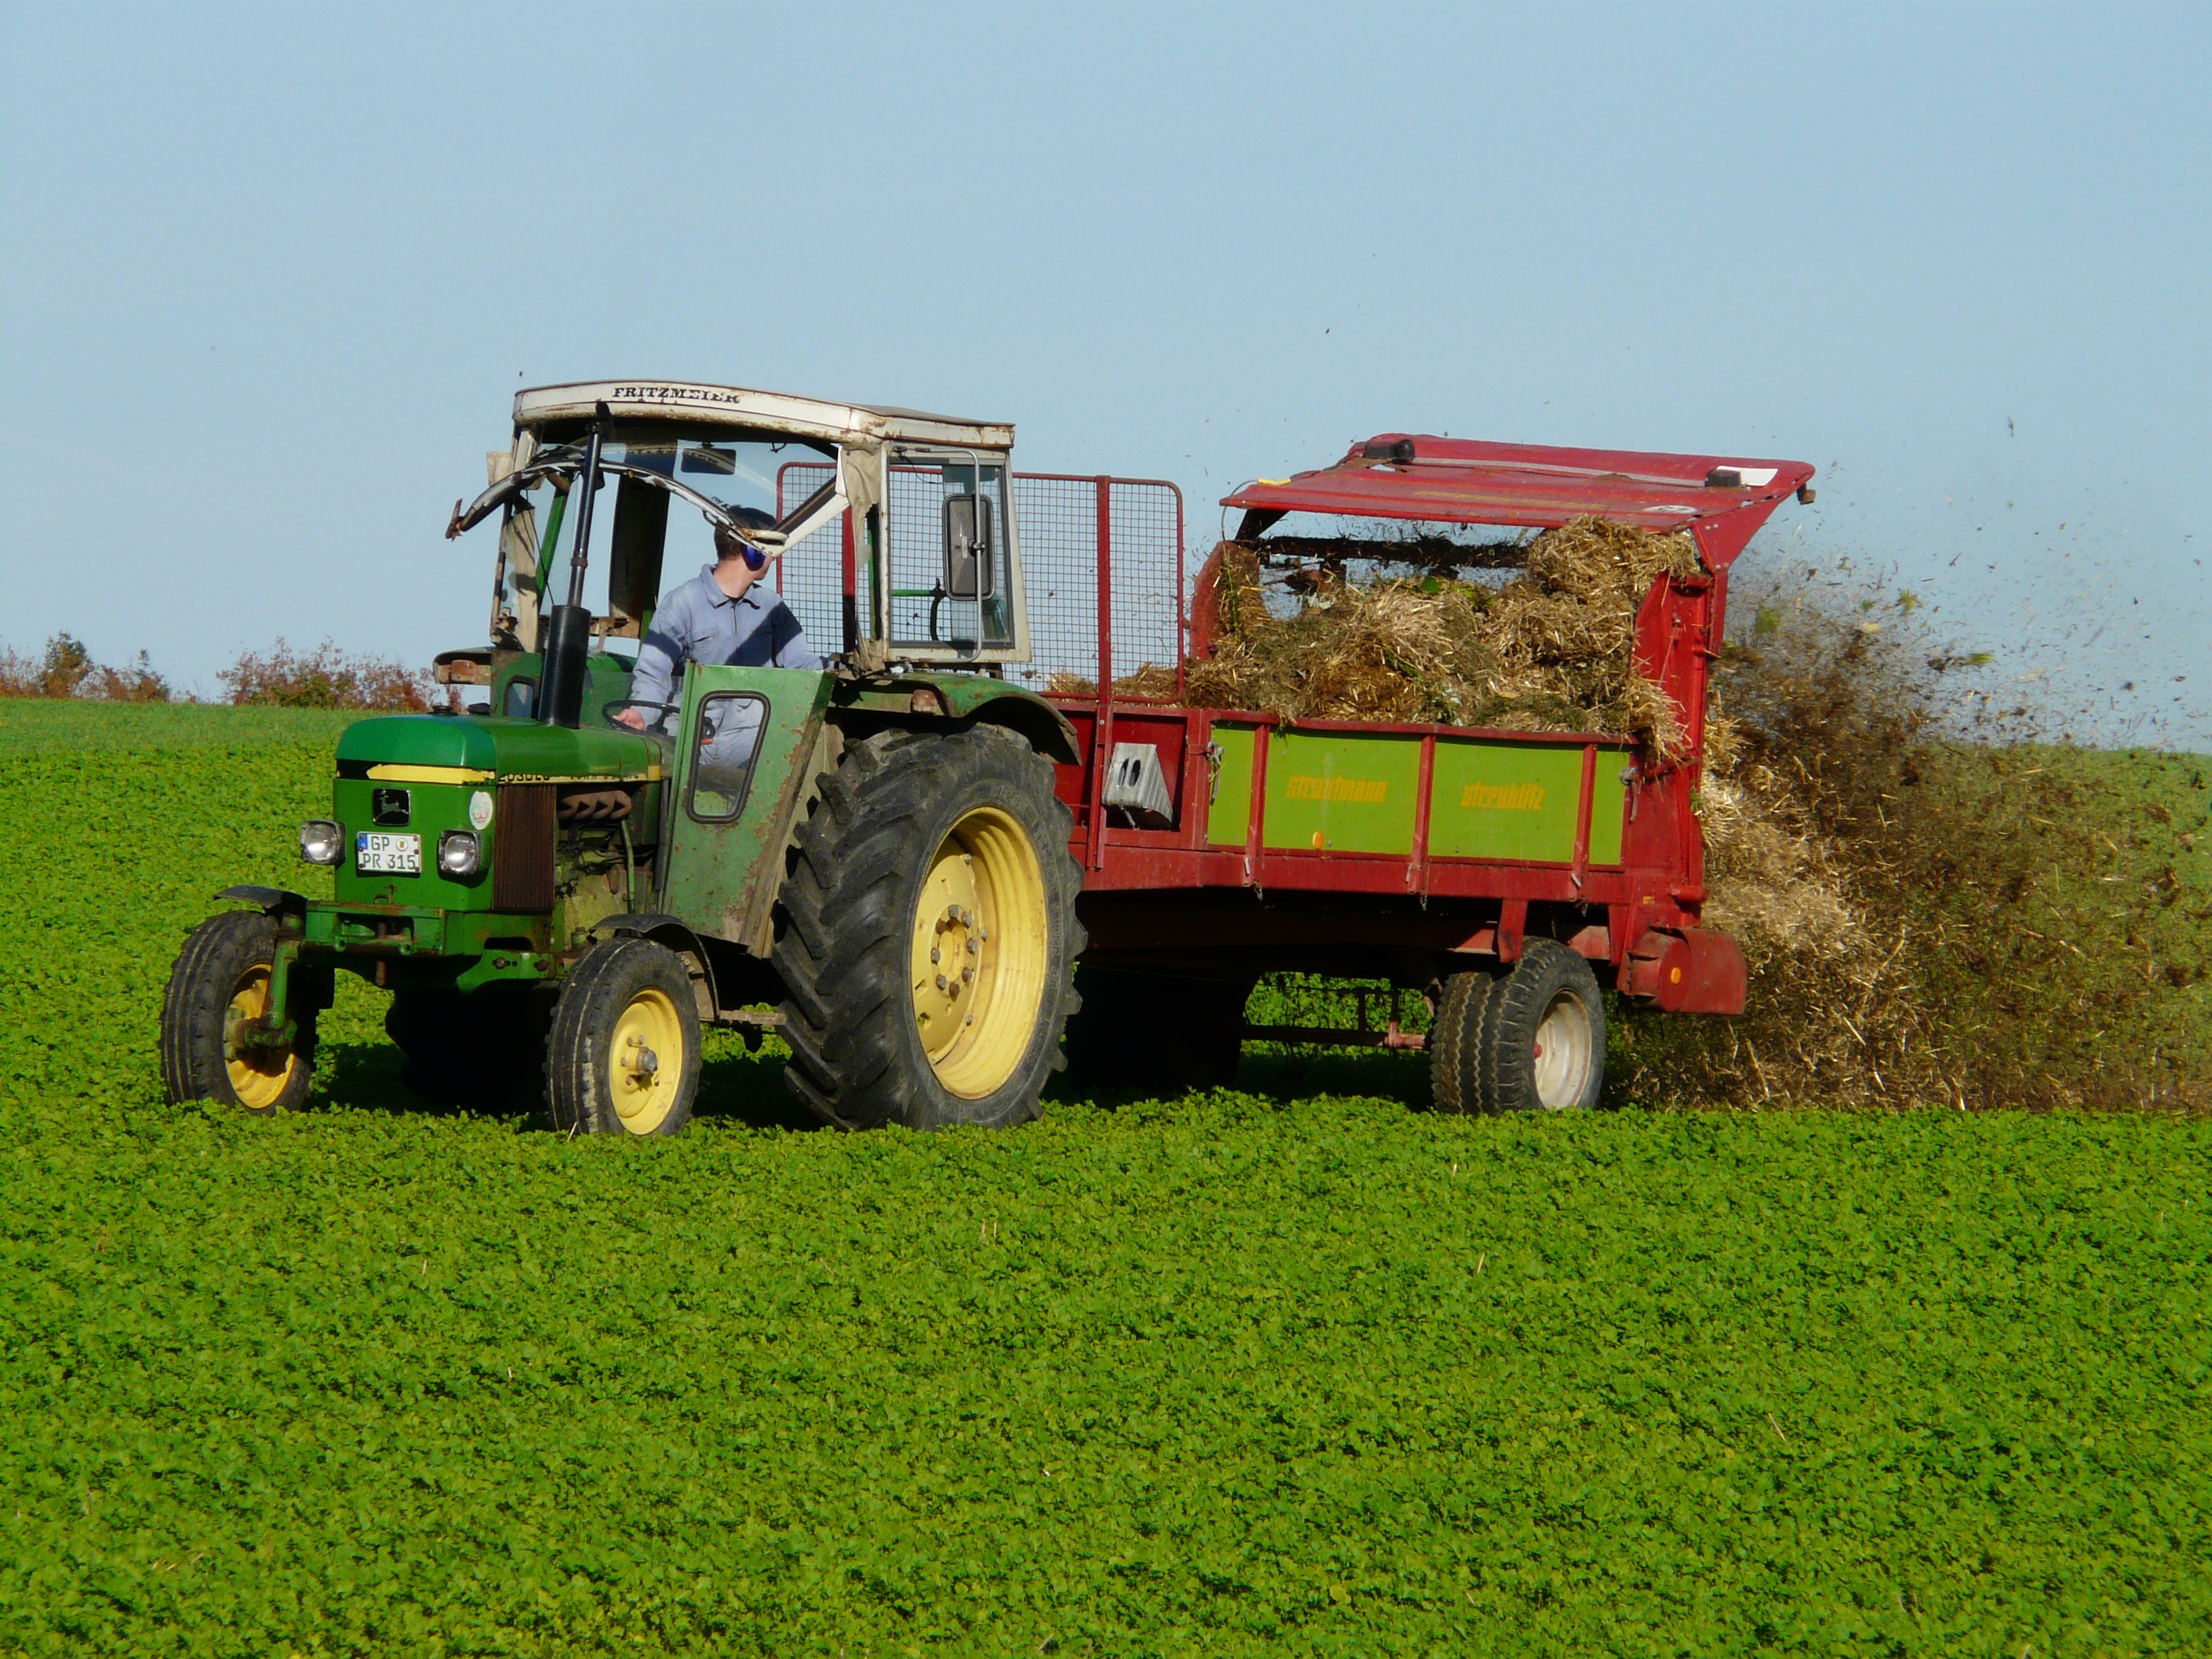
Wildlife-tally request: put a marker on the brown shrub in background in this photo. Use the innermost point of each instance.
(136, 681)
(65, 669)
(325, 678)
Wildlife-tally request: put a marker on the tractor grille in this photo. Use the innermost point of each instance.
(522, 848)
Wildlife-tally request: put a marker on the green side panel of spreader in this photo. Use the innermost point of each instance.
(1608, 806)
(1230, 815)
(1510, 800)
(1334, 793)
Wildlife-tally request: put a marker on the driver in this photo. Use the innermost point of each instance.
(719, 618)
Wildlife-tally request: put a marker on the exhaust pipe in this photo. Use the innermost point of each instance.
(567, 634)
(566, 639)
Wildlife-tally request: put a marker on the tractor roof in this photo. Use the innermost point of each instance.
(866, 425)
(1397, 475)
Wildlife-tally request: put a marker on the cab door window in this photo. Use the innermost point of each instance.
(724, 744)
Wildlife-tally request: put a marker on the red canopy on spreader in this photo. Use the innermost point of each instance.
(1721, 499)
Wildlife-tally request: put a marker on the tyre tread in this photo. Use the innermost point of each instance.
(842, 944)
(1515, 1008)
(1455, 1041)
(214, 954)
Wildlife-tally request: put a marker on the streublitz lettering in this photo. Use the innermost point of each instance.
(1504, 796)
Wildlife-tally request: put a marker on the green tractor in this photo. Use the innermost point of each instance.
(560, 887)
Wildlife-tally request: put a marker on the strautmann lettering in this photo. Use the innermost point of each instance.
(1370, 791)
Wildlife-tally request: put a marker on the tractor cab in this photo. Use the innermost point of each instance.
(890, 533)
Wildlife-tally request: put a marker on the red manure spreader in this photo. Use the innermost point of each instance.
(1506, 875)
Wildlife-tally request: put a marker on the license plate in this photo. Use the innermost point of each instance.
(388, 855)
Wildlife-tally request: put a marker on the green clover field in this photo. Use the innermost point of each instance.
(1301, 1369)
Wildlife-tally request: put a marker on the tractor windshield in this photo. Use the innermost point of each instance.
(672, 487)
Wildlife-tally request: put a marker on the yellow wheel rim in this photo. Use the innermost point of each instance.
(980, 950)
(258, 1076)
(645, 1061)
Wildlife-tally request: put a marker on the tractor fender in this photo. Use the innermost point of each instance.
(1036, 723)
(1044, 728)
(678, 936)
(272, 900)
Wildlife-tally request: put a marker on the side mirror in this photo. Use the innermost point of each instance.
(970, 570)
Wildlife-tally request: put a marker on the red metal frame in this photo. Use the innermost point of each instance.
(1397, 475)
(1155, 894)
(1103, 725)
(849, 578)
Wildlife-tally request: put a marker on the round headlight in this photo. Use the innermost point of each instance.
(460, 853)
(319, 841)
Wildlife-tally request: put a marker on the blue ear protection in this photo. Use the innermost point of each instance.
(726, 541)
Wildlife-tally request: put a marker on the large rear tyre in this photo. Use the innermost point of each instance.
(218, 990)
(622, 1057)
(1543, 1034)
(927, 934)
(1156, 1031)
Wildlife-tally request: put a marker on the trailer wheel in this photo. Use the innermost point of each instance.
(1456, 1043)
(219, 985)
(927, 934)
(1156, 1031)
(1543, 1034)
(622, 1057)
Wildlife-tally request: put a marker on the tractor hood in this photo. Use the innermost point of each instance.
(479, 749)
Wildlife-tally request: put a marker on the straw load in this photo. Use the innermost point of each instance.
(1548, 650)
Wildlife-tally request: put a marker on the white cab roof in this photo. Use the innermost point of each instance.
(861, 425)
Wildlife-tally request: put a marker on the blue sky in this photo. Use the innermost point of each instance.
(270, 276)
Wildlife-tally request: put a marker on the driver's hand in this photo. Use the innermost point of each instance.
(633, 718)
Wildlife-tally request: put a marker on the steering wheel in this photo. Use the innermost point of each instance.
(655, 713)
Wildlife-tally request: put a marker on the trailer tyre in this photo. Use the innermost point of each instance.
(926, 933)
(1543, 1034)
(622, 1057)
(219, 985)
(1456, 1043)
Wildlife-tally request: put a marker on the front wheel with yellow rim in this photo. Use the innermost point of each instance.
(622, 1057)
(217, 1040)
(928, 933)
